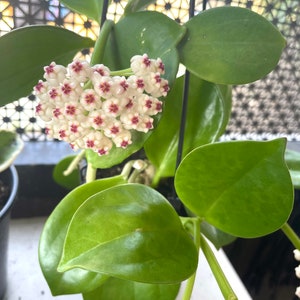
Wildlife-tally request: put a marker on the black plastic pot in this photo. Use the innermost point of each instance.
(10, 178)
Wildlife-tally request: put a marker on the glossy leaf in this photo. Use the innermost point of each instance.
(243, 188)
(231, 45)
(137, 5)
(53, 236)
(10, 147)
(292, 159)
(118, 289)
(24, 53)
(131, 232)
(70, 181)
(117, 155)
(208, 112)
(91, 8)
(132, 35)
(145, 32)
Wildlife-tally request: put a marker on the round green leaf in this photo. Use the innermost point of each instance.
(136, 5)
(117, 289)
(25, 51)
(53, 236)
(231, 45)
(91, 8)
(117, 155)
(209, 107)
(70, 181)
(10, 147)
(243, 188)
(130, 232)
(145, 32)
(292, 159)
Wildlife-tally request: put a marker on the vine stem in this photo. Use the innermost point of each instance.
(100, 44)
(73, 165)
(90, 173)
(191, 281)
(291, 235)
(219, 275)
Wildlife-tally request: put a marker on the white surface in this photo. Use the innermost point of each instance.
(26, 282)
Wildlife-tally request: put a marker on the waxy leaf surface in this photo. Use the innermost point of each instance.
(53, 236)
(118, 289)
(70, 181)
(130, 232)
(208, 111)
(243, 188)
(231, 45)
(24, 53)
(137, 5)
(90, 8)
(292, 159)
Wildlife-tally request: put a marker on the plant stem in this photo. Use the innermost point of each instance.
(101, 41)
(73, 165)
(291, 235)
(124, 72)
(219, 275)
(90, 173)
(190, 282)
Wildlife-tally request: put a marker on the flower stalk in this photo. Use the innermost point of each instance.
(195, 222)
(291, 235)
(219, 275)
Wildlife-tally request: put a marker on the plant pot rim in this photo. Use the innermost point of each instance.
(15, 179)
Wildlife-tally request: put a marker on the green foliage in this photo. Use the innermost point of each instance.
(118, 289)
(150, 32)
(231, 45)
(70, 181)
(139, 237)
(10, 146)
(200, 127)
(90, 8)
(292, 159)
(109, 239)
(242, 188)
(137, 5)
(25, 51)
(52, 240)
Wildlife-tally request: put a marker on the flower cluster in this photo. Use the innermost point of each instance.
(89, 108)
(297, 270)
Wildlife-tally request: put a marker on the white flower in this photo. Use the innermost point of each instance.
(100, 69)
(123, 139)
(54, 74)
(103, 85)
(90, 100)
(70, 90)
(80, 70)
(297, 293)
(297, 254)
(297, 271)
(108, 110)
(112, 107)
(142, 64)
(113, 129)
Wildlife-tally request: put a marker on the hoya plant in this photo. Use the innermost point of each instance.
(119, 237)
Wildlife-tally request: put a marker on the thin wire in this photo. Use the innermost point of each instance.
(104, 12)
(185, 97)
